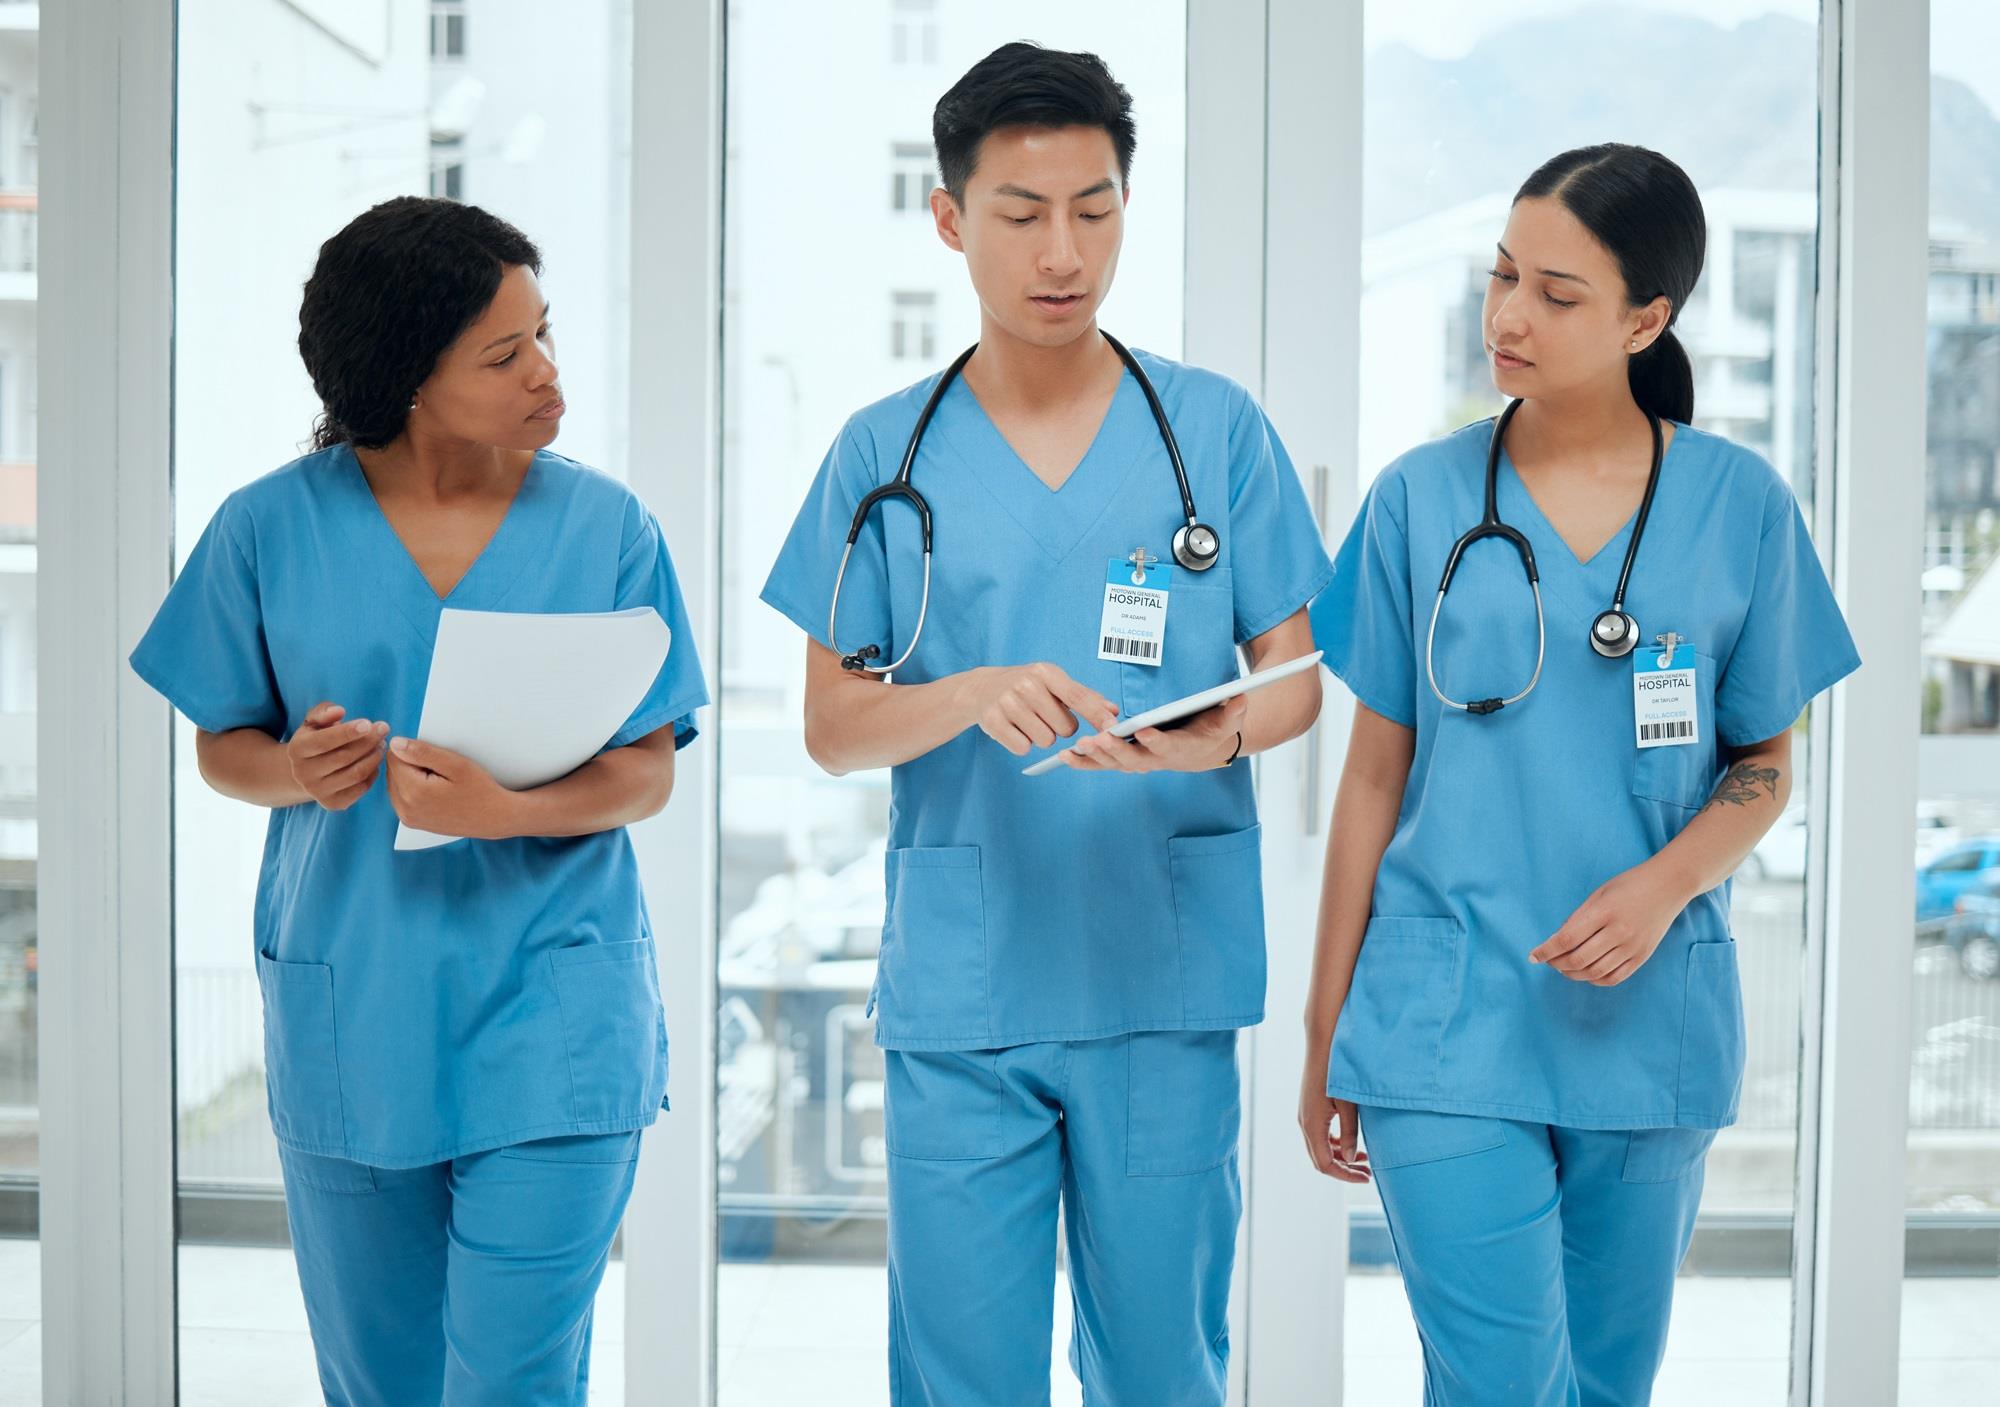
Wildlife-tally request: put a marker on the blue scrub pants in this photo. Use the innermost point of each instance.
(1539, 1260)
(461, 1283)
(1136, 1137)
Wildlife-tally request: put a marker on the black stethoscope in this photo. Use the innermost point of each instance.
(1196, 545)
(1614, 633)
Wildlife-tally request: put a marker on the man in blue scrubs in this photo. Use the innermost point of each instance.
(1066, 958)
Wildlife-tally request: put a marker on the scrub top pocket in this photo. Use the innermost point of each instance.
(1405, 986)
(1682, 776)
(612, 1028)
(1218, 890)
(1200, 644)
(301, 1061)
(931, 973)
(1711, 1074)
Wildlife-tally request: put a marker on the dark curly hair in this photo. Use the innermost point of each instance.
(388, 295)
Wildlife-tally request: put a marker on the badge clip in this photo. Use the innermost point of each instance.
(1140, 559)
(1667, 642)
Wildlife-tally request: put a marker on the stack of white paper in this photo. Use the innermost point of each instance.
(533, 697)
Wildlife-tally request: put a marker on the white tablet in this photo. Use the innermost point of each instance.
(1186, 707)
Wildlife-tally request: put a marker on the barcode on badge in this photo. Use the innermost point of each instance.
(1678, 728)
(1135, 649)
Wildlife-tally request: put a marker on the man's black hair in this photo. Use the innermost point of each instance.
(1025, 85)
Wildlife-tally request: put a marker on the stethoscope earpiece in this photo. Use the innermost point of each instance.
(1614, 634)
(1196, 547)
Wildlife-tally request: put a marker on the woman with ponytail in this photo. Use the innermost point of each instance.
(1524, 997)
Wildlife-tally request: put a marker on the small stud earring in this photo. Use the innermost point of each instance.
(413, 399)
(1635, 347)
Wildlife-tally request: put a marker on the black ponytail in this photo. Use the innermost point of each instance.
(1663, 379)
(1643, 209)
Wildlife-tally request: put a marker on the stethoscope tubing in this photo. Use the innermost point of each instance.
(1491, 524)
(901, 487)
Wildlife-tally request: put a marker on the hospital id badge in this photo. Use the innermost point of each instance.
(1133, 629)
(1663, 694)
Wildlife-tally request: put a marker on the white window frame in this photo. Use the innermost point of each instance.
(913, 325)
(1869, 510)
(443, 12)
(913, 32)
(1279, 80)
(105, 748)
(676, 460)
(447, 167)
(912, 176)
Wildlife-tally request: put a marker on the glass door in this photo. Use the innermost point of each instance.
(1951, 1287)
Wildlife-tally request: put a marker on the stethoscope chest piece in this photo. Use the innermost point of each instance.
(1196, 547)
(1614, 634)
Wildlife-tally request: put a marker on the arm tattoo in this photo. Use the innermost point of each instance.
(1743, 784)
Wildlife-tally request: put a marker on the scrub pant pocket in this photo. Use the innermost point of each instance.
(467, 1283)
(1183, 1108)
(1150, 1209)
(941, 1104)
(1666, 1155)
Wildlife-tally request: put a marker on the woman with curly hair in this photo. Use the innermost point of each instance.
(462, 1043)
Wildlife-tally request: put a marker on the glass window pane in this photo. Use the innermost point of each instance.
(1951, 1293)
(803, 1300)
(258, 152)
(1462, 102)
(20, 1259)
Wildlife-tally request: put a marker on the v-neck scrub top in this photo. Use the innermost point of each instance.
(1074, 905)
(421, 1005)
(1511, 820)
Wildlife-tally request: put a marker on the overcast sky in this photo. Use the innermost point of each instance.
(1965, 34)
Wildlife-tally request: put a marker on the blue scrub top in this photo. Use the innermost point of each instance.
(1074, 905)
(419, 1005)
(1511, 820)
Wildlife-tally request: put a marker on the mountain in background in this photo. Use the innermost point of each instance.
(1735, 107)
